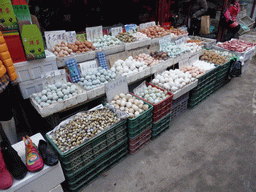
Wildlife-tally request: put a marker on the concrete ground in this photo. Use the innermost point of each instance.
(210, 148)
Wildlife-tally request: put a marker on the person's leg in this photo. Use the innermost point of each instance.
(6, 116)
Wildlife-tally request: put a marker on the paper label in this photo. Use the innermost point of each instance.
(116, 30)
(143, 26)
(53, 77)
(94, 32)
(54, 37)
(71, 36)
(116, 87)
(85, 66)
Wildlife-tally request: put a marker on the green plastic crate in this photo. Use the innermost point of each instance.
(92, 171)
(93, 148)
(132, 133)
(160, 126)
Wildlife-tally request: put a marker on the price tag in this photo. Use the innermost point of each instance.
(53, 77)
(143, 26)
(180, 41)
(93, 32)
(150, 24)
(88, 65)
(131, 28)
(116, 30)
(54, 37)
(71, 36)
(116, 87)
(164, 41)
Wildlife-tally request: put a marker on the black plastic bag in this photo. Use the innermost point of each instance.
(235, 69)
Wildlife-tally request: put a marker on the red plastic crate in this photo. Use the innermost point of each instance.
(15, 47)
(162, 108)
(140, 141)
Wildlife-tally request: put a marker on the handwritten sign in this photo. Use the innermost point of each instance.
(88, 65)
(116, 30)
(94, 32)
(116, 87)
(143, 26)
(164, 41)
(54, 37)
(180, 41)
(151, 24)
(53, 77)
(71, 36)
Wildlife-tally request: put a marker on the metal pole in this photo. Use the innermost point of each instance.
(221, 30)
(253, 8)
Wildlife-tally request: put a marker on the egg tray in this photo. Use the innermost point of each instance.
(160, 126)
(223, 69)
(179, 106)
(80, 162)
(157, 108)
(78, 181)
(220, 83)
(161, 113)
(196, 97)
(140, 141)
(81, 150)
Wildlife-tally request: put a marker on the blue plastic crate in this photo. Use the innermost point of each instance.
(74, 71)
(102, 60)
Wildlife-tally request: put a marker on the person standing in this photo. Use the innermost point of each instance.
(229, 19)
(196, 9)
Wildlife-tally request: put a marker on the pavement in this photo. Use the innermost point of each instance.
(210, 148)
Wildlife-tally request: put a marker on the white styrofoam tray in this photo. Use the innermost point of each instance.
(42, 181)
(82, 57)
(112, 49)
(60, 106)
(137, 44)
(29, 87)
(29, 70)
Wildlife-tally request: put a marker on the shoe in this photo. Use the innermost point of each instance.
(5, 176)
(13, 161)
(34, 161)
(49, 156)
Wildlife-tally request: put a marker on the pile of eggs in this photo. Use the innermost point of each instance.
(55, 93)
(152, 94)
(193, 70)
(94, 78)
(129, 104)
(173, 80)
(203, 65)
(106, 41)
(146, 58)
(140, 36)
(174, 50)
(129, 66)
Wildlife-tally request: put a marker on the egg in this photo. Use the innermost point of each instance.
(131, 115)
(123, 103)
(129, 104)
(136, 114)
(118, 102)
(116, 97)
(145, 107)
(135, 107)
(131, 110)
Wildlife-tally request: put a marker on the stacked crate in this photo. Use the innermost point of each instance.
(222, 75)
(206, 86)
(84, 163)
(161, 114)
(179, 106)
(139, 129)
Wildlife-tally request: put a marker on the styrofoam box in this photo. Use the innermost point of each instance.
(61, 105)
(82, 57)
(29, 70)
(137, 44)
(27, 88)
(57, 189)
(112, 49)
(42, 181)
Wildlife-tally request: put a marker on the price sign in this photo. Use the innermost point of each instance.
(53, 77)
(71, 36)
(180, 41)
(116, 30)
(131, 28)
(88, 65)
(54, 37)
(164, 41)
(150, 24)
(116, 87)
(143, 26)
(93, 32)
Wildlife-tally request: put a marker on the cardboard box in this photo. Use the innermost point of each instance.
(8, 21)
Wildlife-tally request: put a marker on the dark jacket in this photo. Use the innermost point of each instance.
(198, 8)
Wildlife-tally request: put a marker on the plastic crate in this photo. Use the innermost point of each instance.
(248, 21)
(179, 106)
(78, 181)
(160, 109)
(196, 98)
(90, 150)
(140, 141)
(206, 79)
(160, 126)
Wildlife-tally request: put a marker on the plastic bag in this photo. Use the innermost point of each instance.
(235, 68)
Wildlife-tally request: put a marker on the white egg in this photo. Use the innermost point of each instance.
(131, 115)
(131, 110)
(123, 103)
(122, 108)
(145, 107)
(136, 102)
(116, 97)
(118, 102)
(129, 104)
(131, 101)
(135, 107)
(113, 102)
(136, 114)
